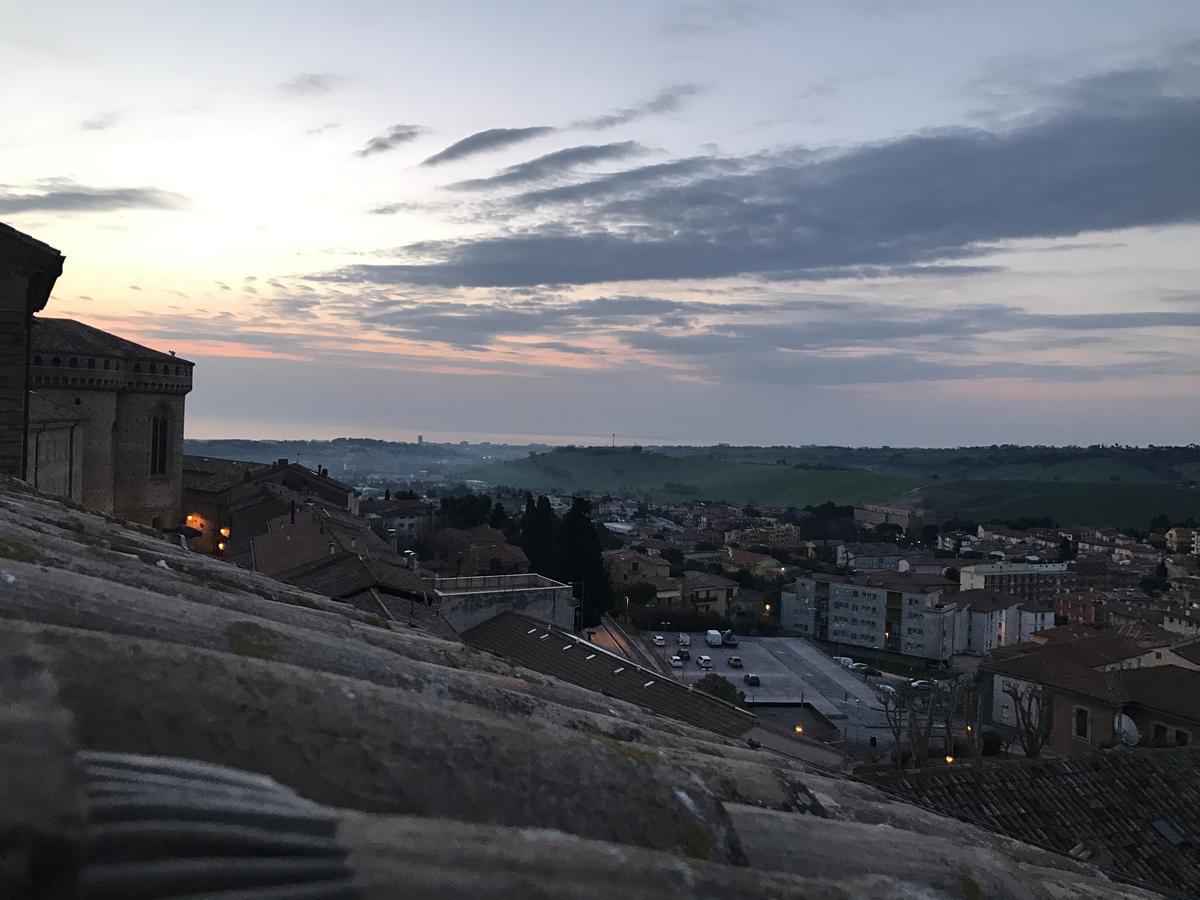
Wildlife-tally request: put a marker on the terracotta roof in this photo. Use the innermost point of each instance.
(212, 474)
(698, 580)
(1119, 809)
(1189, 651)
(344, 574)
(1169, 689)
(52, 335)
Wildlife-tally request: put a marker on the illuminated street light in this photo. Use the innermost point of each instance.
(799, 729)
(949, 760)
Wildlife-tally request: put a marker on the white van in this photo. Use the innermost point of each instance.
(713, 638)
(843, 661)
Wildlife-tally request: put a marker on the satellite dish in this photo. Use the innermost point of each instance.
(1126, 729)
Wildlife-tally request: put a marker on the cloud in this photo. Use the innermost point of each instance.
(484, 141)
(475, 325)
(309, 84)
(100, 122)
(717, 17)
(927, 198)
(321, 129)
(391, 209)
(390, 139)
(666, 101)
(557, 163)
(62, 195)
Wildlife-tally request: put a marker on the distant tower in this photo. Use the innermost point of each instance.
(420, 439)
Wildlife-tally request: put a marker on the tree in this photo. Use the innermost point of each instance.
(1066, 549)
(722, 688)
(895, 710)
(537, 533)
(466, 511)
(577, 561)
(499, 517)
(1033, 708)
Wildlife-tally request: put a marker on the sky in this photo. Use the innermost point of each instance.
(915, 223)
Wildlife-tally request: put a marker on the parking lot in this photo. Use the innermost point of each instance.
(791, 671)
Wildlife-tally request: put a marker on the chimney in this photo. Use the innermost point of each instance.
(281, 463)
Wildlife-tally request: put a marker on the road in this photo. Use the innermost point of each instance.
(792, 671)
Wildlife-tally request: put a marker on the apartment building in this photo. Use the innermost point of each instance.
(904, 614)
(1030, 581)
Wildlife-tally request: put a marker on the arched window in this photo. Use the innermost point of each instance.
(91, 364)
(56, 361)
(74, 362)
(160, 434)
(37, 360)
(153, 369)
(107, 364)
(137, 367)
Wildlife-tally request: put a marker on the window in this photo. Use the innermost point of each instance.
(1160, 732)
(1082, 725)
(107, 364)
(158, 444)
(1182, 737)
(37, 360)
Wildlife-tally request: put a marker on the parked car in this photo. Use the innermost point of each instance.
(874, 672)
(920, 684)
(676, 662)
(843, 661)
(885, 689)
(704, 662)
(729, 639)
(659, 641)
(752, 680)
(857, 667)
(684, 653)
(734, 662)
(684, 640)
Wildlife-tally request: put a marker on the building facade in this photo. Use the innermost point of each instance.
(129, 404)
(900, 614)
(28, 271)
(1029, 581)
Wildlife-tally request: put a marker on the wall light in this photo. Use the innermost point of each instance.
(224, 532)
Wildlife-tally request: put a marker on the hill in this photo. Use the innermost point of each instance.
(695, 477)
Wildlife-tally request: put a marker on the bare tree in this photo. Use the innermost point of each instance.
(923, 709)
(1033, 708)
(895, 710)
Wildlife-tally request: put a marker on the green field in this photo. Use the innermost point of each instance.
(692, 478)
(1088, 469)
(1119, 504)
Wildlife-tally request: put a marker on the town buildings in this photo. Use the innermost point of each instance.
(1087, 680)
(986, 620)
(872, 515)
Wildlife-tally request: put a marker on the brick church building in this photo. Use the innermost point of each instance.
(85, 414)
